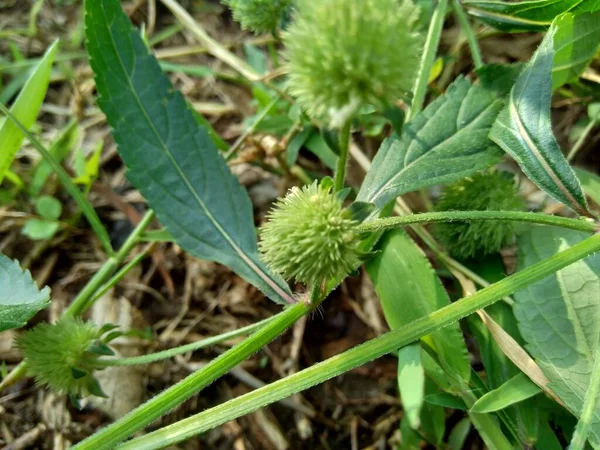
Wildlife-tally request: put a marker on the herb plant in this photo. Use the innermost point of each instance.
(346, 65)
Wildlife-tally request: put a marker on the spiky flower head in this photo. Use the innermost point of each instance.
(64, 355)
(486, 191)
(309, 236)
(260, 16)
(346, 53)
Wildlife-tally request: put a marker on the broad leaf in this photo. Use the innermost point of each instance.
(445, 142)
(172, 160)
(575, 44)
(20, 298)
(559, 317)
(520, 16)
(409, 289)
(25, 108)
(515, 390)
(523, 129)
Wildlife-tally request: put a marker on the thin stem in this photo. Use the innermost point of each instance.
(342, 162)
(469, 33)
(361, 354)
(582, 429)
(431, 45)
(172, 397)
(582, 138)
(169, 353)
(469, 216)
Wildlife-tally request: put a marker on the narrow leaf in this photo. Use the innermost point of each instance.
(25, 108)
(411, 382)
(523, 129)
(20, 298)
(590, 183)
(515, 390)
(172, 160)
(575, 44)
(533, 15)
(445, 142)
(559, 317)
(409, 289)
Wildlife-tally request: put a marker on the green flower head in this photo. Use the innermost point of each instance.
(64, 356)
(343, 54)
(260, 16)
(310, 237)
(487, 191)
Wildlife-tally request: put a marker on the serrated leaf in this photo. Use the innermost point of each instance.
(172, 160)
(447, 141)
(20, 298)
(409, 289)
(25, 108)
(531, 15)
(575, 44)
(515, 390)
(559, 317)
(523, 129)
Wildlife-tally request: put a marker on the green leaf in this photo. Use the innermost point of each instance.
(445, 142)
(446, 400)
(499, 78)
(523, 129)
(533, 15)
(559, 317)
(409, 289)
(171, 160)
(515, 390)
(590, 183)
(25, 108)
(575, 44)
(411, 382)
(20, 298)
(458, 434)
(40, 230)
(48, 207)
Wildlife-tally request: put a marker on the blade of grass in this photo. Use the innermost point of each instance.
(83, 203)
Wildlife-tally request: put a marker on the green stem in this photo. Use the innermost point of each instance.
(589, 407)
(158, 356)
(451, 216)
(172, 397)
(469, 34)
(582, 138)
(87, 295)
(68, 184)
(431, 45)
(342, 162)
(361, 354)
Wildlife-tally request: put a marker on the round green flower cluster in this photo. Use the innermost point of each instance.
(64, 356)
(310, 237)
(260, 16)
(488, 191)
(343, 54)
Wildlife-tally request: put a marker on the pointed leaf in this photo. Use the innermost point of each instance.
(515, 390)
(409, 289)
(559, 317)
(590, 183)
(445, 142)
(25, 108)
(523, 129)
(171, 159)
(20, 298)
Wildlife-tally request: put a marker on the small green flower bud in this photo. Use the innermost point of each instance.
(310, 237)
(487, 191)
(343, 54)
(260, 16)
(64, 356)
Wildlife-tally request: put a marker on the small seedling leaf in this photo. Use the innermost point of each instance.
(20, 298)
(515, 390)
(48, 207)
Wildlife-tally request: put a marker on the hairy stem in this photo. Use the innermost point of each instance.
(431, 45)
(172, 397)
(469, 216)
(469, 34)
(361, 354)
(582, 429)
(342, 162)
(169, 353)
